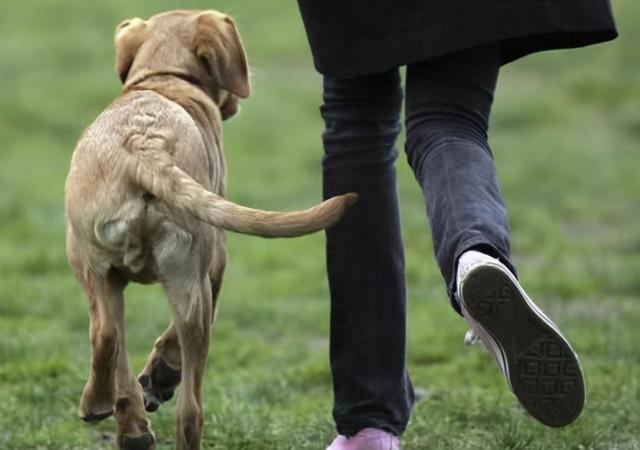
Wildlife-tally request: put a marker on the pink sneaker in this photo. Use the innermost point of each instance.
(367, 439)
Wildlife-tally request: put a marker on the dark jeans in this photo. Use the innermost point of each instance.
(447, 111)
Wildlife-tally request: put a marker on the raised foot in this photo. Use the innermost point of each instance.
(542, 369)
(159, 386)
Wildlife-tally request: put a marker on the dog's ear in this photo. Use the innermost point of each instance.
(129, 36)
(217, 44)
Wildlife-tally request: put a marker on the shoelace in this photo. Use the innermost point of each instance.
(470, 338)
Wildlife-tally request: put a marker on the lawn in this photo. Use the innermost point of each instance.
(566, 138)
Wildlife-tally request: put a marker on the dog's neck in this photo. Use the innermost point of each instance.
(188, 92)
(181, 88)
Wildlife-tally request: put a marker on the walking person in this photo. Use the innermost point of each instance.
(453, 51)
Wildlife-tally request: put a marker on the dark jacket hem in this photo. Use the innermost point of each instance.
(347, 41)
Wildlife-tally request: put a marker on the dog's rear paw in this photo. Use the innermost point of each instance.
(159, 385)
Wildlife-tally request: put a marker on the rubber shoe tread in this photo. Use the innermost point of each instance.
(541, 367)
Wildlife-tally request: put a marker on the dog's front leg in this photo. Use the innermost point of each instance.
(134, 430)
(161, 374)
(105, 295)
(191, 301)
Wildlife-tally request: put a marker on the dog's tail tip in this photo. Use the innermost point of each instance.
(338, 206)
(349, 199)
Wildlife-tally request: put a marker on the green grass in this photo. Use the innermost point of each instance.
(565, 133)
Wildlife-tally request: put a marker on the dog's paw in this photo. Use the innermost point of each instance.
(144, 442)
(95, 418)
(160, 385)
(96, 404)
(134, 429)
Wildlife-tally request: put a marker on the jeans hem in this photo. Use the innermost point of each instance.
(352, 428)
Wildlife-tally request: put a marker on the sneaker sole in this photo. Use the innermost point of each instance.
(542, 369)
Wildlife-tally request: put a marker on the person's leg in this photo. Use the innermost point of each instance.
(365, 259)
(448, 105)
(447, 115)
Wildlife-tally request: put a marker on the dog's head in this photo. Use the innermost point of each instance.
(203, 46)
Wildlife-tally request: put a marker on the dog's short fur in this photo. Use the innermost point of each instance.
(144, 202)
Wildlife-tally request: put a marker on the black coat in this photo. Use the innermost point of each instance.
(356, 37)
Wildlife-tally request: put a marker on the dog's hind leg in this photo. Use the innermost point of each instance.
(105, 298)
(134, 431)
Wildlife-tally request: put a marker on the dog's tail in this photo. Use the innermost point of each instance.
(156, 172)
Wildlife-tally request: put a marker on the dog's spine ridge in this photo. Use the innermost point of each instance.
(157, 173)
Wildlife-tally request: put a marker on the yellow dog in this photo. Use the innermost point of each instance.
(144, 202)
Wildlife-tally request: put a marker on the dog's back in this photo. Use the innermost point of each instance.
(144, 178)
(115, 220)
